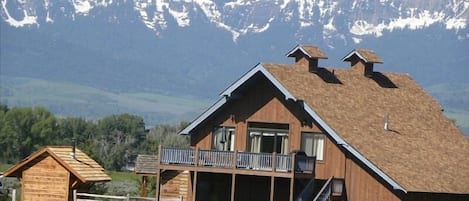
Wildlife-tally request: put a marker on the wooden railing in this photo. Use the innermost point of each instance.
(230, 159)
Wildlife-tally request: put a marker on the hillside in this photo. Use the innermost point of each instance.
(68, 99)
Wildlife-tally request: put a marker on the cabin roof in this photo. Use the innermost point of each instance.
(82, 166)
(422, 151)
(146, 164)
(369, 56)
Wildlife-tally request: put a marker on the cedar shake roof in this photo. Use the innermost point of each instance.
(422, 152)
(310, 50)
(146, 164)
(82, 166)
(366, 55)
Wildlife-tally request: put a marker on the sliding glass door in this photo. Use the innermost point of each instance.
(268, 138)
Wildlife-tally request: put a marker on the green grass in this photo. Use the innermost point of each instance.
(123, 176)
(4, 167)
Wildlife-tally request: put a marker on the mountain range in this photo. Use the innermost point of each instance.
(167, 60)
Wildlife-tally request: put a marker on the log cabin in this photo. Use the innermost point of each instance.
(52, 173)
(304, 132)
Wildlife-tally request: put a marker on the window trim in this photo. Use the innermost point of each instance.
(313, 134)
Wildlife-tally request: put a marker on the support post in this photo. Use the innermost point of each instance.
(292, 178)
(272, 187)
(194, 186)
(158, 174)
(233, 186)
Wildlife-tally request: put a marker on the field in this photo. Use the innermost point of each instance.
(68, 99)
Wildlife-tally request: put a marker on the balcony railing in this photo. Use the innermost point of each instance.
(240, 160)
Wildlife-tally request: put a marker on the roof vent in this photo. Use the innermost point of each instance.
(307, 56)
(363, 59)
(386, 123)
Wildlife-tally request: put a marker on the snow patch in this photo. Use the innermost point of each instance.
(82, 6)
(414, 21)
(356, 40)
(27, 19)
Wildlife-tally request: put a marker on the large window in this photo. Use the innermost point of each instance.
(224, 138)
(268, 138)
(313, 145)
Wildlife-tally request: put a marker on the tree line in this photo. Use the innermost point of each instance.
(113, 141)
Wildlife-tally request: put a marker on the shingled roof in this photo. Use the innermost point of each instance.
(146, 164)
(81, 166)
(422, 150)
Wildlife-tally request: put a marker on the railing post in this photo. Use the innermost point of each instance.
(234, 162)
(292, 178)
(196, 157)
(274, 161)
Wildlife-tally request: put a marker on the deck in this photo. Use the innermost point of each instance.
(234, 162)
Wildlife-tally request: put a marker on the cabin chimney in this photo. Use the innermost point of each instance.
(307, 57)
(363, 60)
(74, 145)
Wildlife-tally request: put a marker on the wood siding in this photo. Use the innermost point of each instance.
(175, 184)
(45, 181)
(258, 104)
(360, 185)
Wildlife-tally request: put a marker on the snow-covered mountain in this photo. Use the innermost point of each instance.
(334, 18)
(195, 48)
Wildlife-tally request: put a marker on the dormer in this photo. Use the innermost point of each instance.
(307, 56)
(363, 60)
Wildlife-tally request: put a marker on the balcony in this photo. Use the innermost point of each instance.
(236, 162)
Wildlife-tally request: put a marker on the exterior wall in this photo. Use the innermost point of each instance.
(175, 184)
(333, 164)
(260, 103)
(360, 185)
(47, 180)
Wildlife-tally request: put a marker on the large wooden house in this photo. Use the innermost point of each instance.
(304, 132)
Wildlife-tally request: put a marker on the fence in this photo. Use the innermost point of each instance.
(94, 197)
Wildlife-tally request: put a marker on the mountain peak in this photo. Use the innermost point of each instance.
(244, 17)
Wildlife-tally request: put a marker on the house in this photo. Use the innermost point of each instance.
(53, 172)
(304, 132)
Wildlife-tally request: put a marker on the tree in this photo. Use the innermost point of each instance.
(118, 140)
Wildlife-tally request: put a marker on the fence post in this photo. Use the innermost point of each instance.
(127, 198)
(74, 194)
(13, 194)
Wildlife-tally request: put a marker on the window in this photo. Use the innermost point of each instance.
(223, 138)
(268, 138)
(313, 145)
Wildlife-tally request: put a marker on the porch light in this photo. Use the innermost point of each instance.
(337, 187)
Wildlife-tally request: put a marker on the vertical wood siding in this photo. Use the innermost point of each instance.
(45, 181)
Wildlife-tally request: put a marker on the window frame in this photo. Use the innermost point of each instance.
(315, 145)
(230, 138)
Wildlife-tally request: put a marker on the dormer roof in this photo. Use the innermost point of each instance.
(313, 52)
(368, 56)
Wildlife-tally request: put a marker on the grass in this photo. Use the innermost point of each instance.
(4, 167)
(123, 176)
